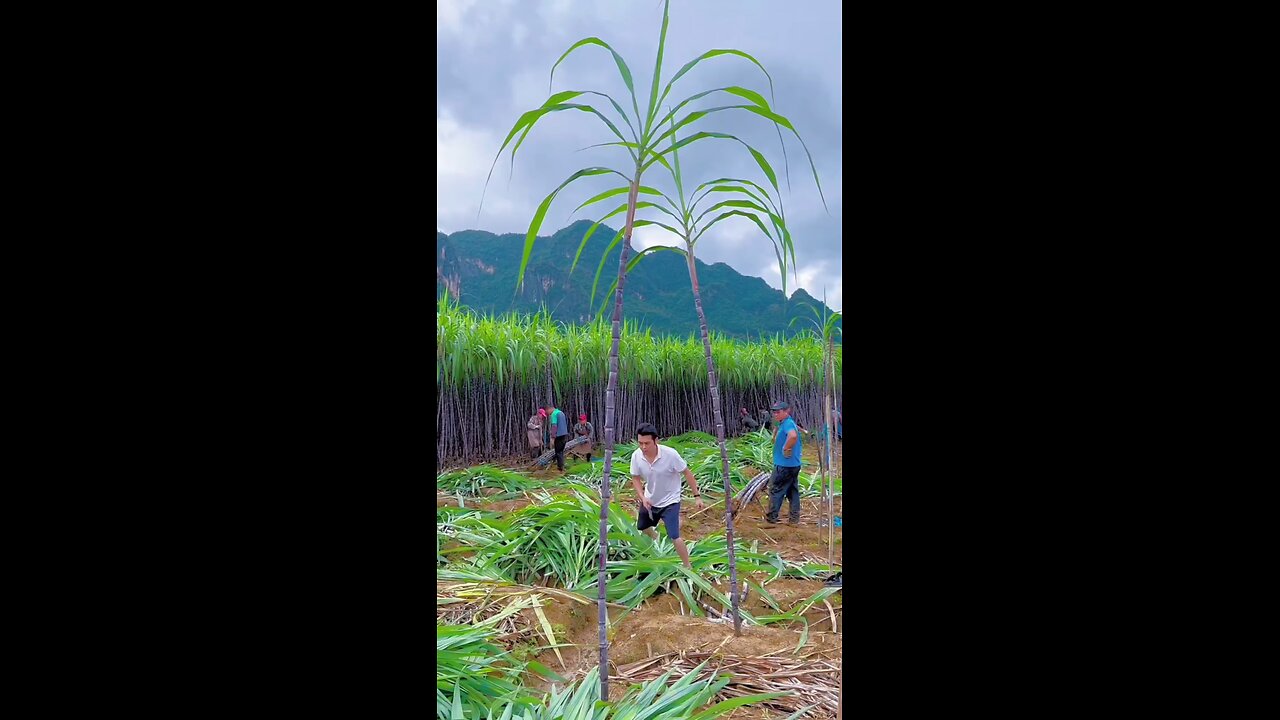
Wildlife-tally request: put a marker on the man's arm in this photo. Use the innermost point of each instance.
(693, 484)
(638, 484)
(790, 444)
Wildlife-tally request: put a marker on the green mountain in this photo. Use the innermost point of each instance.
(479, 270)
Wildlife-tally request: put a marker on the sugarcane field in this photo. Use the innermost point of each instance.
(639, 415)
(517, 544)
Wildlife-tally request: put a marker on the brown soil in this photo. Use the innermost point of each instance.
(658, 626)
(581, 627)
(521, 463)
(644, 635)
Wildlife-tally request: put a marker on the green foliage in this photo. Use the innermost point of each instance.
(692, 437)
(473, 674)
(514, 349)
(683, 699)
(557, 540)
(470, 481)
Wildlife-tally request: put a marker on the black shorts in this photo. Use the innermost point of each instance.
(669, 515)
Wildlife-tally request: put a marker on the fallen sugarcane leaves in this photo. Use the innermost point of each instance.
(809, 682)
(498, 606)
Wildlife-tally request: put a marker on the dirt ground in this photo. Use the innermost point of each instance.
(659, 626)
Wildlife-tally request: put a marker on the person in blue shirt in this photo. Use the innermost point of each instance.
(786, 464)
(559, 430)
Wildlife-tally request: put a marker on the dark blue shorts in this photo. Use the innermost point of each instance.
(669, 515)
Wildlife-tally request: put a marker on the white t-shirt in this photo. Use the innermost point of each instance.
(661, 477)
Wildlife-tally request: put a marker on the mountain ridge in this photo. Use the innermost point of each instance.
(478, 269)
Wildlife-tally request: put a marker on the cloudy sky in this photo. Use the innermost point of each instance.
(493, 63)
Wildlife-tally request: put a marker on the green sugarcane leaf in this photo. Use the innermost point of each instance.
(710, 54)
(804, 637)
(525, 123)
(541, 213)
(644, 189)
(722, 707)
(545, 671)
(623, 70)
(657, 65)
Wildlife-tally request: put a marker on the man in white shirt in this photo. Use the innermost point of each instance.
(659, 468)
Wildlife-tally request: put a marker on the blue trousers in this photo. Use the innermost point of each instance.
(785, 483)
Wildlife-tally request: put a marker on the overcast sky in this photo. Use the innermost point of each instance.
(493, 62)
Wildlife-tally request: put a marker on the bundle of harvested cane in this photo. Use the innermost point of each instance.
(749, 493)
(812, 682)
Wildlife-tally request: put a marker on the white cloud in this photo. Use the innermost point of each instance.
(471, 21)
(814, 278)
(650, 235)
(463, 156)
(449, 14)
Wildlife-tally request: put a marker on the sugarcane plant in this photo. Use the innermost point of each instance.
(490, 376)
(754, 204)
(825, 329)
(643, 150)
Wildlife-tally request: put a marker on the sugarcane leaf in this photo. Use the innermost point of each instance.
(617, 191)
(710, 54)
(635, 259)
(739, 213)
(551, 636)
(526, 122)
(721, 707)
(804, 637)
(764, 594)
(545, 671)
(657, 65)
(600, 268)
(779, 119)
(623, 70)
(536, 223)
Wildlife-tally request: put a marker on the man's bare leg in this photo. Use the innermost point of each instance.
(683, 551)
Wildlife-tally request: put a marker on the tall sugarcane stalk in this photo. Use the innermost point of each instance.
(831, 433)
(714, 390)
(605, 482)
(550, 396)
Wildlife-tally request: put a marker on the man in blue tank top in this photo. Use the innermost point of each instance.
(559, 430)
(786, 464)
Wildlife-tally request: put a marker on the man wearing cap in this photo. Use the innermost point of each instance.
(786, 464)
(535, 433)
(659, 468)
(584, 429)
